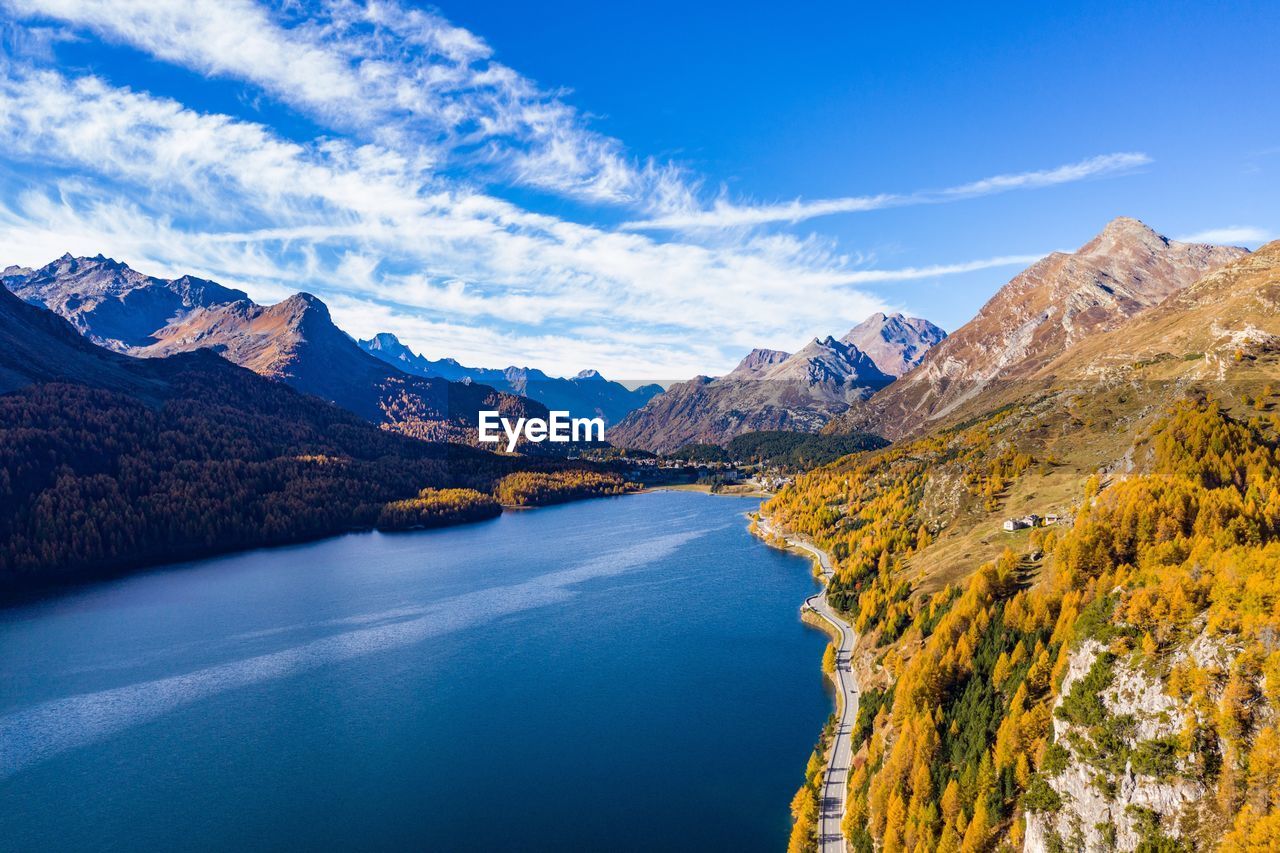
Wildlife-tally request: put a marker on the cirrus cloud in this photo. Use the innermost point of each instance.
(725, 214)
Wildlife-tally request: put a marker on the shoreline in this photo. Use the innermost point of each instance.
(22, 593)
(706, 490)
(818, 613)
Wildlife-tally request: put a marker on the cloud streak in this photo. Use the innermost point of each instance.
(374, 217)
(365, 222)
(1238, 235)
(724, 214)
(402, 77)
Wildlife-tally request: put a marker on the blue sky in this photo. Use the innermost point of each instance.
(647, 191)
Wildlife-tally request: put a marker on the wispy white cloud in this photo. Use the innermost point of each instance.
(1235, 235)
(403, 77)
(366, 216)
(366, 222)
(725, 214)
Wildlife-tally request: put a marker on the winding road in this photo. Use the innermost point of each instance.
(836, 776)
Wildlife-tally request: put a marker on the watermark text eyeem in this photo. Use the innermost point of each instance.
(559, 427)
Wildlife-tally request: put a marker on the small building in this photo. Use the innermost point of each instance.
(1012, 524)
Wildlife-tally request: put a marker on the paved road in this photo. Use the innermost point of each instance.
(836, 781)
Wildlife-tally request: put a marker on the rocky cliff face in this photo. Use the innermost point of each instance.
(1052, 306)
(1109, 804)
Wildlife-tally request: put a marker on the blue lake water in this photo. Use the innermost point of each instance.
(621, 674)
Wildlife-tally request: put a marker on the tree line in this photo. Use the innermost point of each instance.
(95, 482)
(780, 448)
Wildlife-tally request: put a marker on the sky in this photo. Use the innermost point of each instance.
(649, 191)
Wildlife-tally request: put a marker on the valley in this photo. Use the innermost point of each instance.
(561, 426)
(1051, 590)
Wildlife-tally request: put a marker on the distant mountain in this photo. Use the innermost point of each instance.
(895, 343)
(109, 462)
(768, 390)
(1055, 303)
(388, 347)
(842, 371)
(586, 395)
(295, 342)
(757, 363)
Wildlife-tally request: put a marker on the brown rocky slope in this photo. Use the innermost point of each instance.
(1059, 301)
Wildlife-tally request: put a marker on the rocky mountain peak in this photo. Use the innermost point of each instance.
(1125, 235)
(895, 343)
(115, 305)
(757, 363)
(1063, 298)
(386, 342)
(829, 361)
(387, 339)
(306, 301)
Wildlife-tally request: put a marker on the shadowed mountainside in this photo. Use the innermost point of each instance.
(294, 341)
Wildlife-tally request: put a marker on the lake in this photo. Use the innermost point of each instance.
(626, 674)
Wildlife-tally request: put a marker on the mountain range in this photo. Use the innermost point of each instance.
(295, 342)
(1102, 682)
(1098, 336)
(586, 395)
(775, 390)
(896, 376)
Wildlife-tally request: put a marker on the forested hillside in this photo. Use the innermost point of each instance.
(1113, 682)
(1108, 681)
(109, 462)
